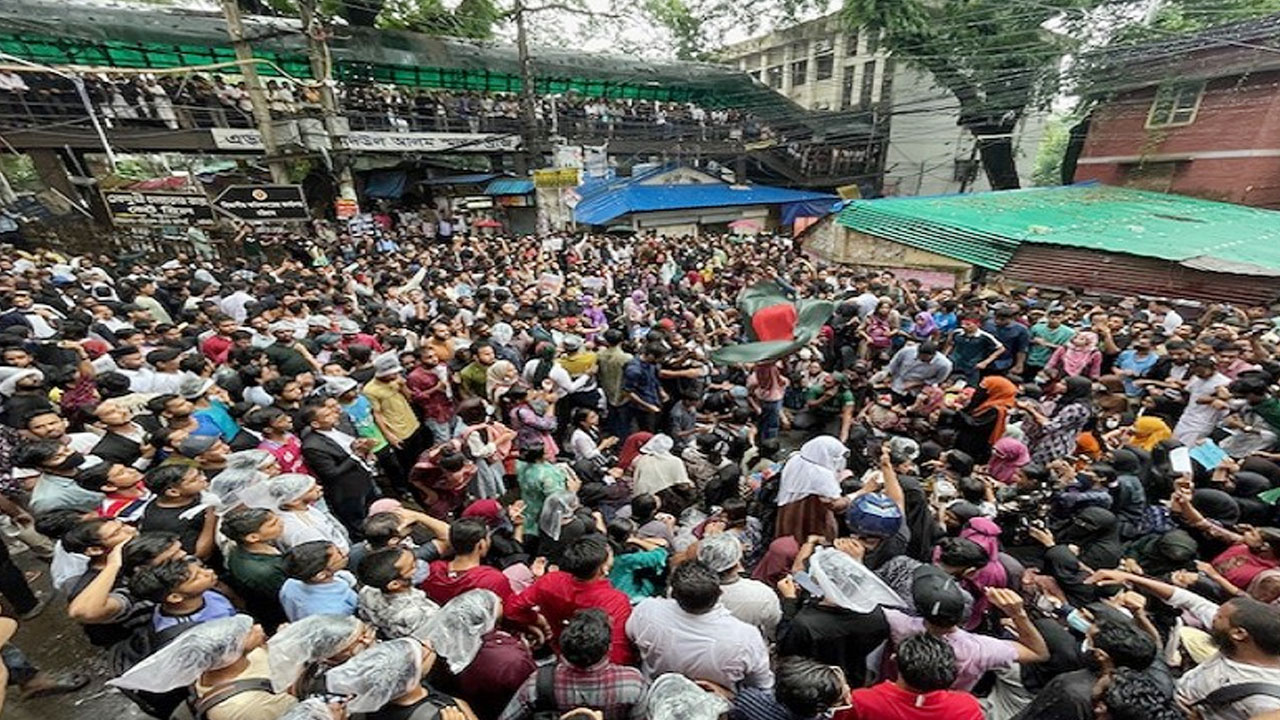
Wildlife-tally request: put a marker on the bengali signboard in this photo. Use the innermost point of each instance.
(260, 203)
(247, 139)
(148, 207)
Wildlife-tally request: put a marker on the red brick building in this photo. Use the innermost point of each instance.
(1194, 116)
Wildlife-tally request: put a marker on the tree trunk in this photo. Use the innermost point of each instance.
(997, 159)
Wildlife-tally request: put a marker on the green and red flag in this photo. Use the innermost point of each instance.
(776, 324)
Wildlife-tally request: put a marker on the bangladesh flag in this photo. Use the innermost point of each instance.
(776, 324)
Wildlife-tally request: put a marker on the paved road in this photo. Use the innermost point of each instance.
(53, 642)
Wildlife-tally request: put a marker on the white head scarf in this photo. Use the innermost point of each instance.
(208, 646)
(378, 675)
(813, 471)
(555, 509)
(659, 445)
(308, 640)
(675, 697)
(457, 632)
(848, 583)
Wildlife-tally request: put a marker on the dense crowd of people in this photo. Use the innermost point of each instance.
(201, 100)
(366, 474)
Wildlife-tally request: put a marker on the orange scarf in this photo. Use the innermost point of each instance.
(1001, 396)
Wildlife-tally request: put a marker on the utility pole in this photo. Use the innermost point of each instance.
(530, 133)
(317, 33)
(257, 98)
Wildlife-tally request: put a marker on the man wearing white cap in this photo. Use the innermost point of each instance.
(393, 409)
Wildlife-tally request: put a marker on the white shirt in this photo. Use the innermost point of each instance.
(713, 646)
(234, 303)
(1198, 420)
(312, 524)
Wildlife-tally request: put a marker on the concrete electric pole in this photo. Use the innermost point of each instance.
(257, 97)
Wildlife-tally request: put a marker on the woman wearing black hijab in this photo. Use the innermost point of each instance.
(1128, 497)
(1096, 532)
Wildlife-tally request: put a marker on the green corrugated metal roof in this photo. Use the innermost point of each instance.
(985, 229)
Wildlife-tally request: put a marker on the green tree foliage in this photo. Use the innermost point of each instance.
(1053, 146)
(697, 27)
(996, 57)
(1187, 16)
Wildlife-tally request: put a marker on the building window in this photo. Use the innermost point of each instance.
(799, 48)
(826, 65)
(799, 72)
(868, 84)
(775, 56)
(846, 87)
(851, 44)
(1175, 105)
(773, 77)
(755, 74)
(873, 42)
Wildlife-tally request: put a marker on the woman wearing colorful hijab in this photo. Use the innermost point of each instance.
(1149, 431)
(1008, 455)
(809, 491)
(1080, 357)
(983, 422)
(924, 327)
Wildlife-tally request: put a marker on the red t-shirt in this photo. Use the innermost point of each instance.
(558, 595)
(887, 701)
(216, 348)
(1240, 566)
(443, 584)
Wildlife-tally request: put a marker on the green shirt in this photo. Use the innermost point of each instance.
(1039, 354)
(834, 404)
(537, 481)
(261, 575)
(639, 574)
(475, 378)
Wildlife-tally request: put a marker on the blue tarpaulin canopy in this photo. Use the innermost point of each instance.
(509, 186)
(808, 208)
(603, 203)
(388, 184)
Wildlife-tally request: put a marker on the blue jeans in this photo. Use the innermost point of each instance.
(770, 418)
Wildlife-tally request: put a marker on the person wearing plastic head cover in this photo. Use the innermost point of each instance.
(316, 709)
(485, 665)
(387, 684)
(809, 492)
(563, 520)
(244, 468)
(294, 497)
(926, 666)
(693, 634)
(302, 653)
(941, 604)
(751, 601)
(848, 623)
(676, 697)
(388, 599)
(225, 663)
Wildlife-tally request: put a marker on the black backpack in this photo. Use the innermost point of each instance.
(141, 644)
(544, 693)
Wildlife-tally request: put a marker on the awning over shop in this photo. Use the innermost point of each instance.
(509, 186)
(385, 184)
(469, 179)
